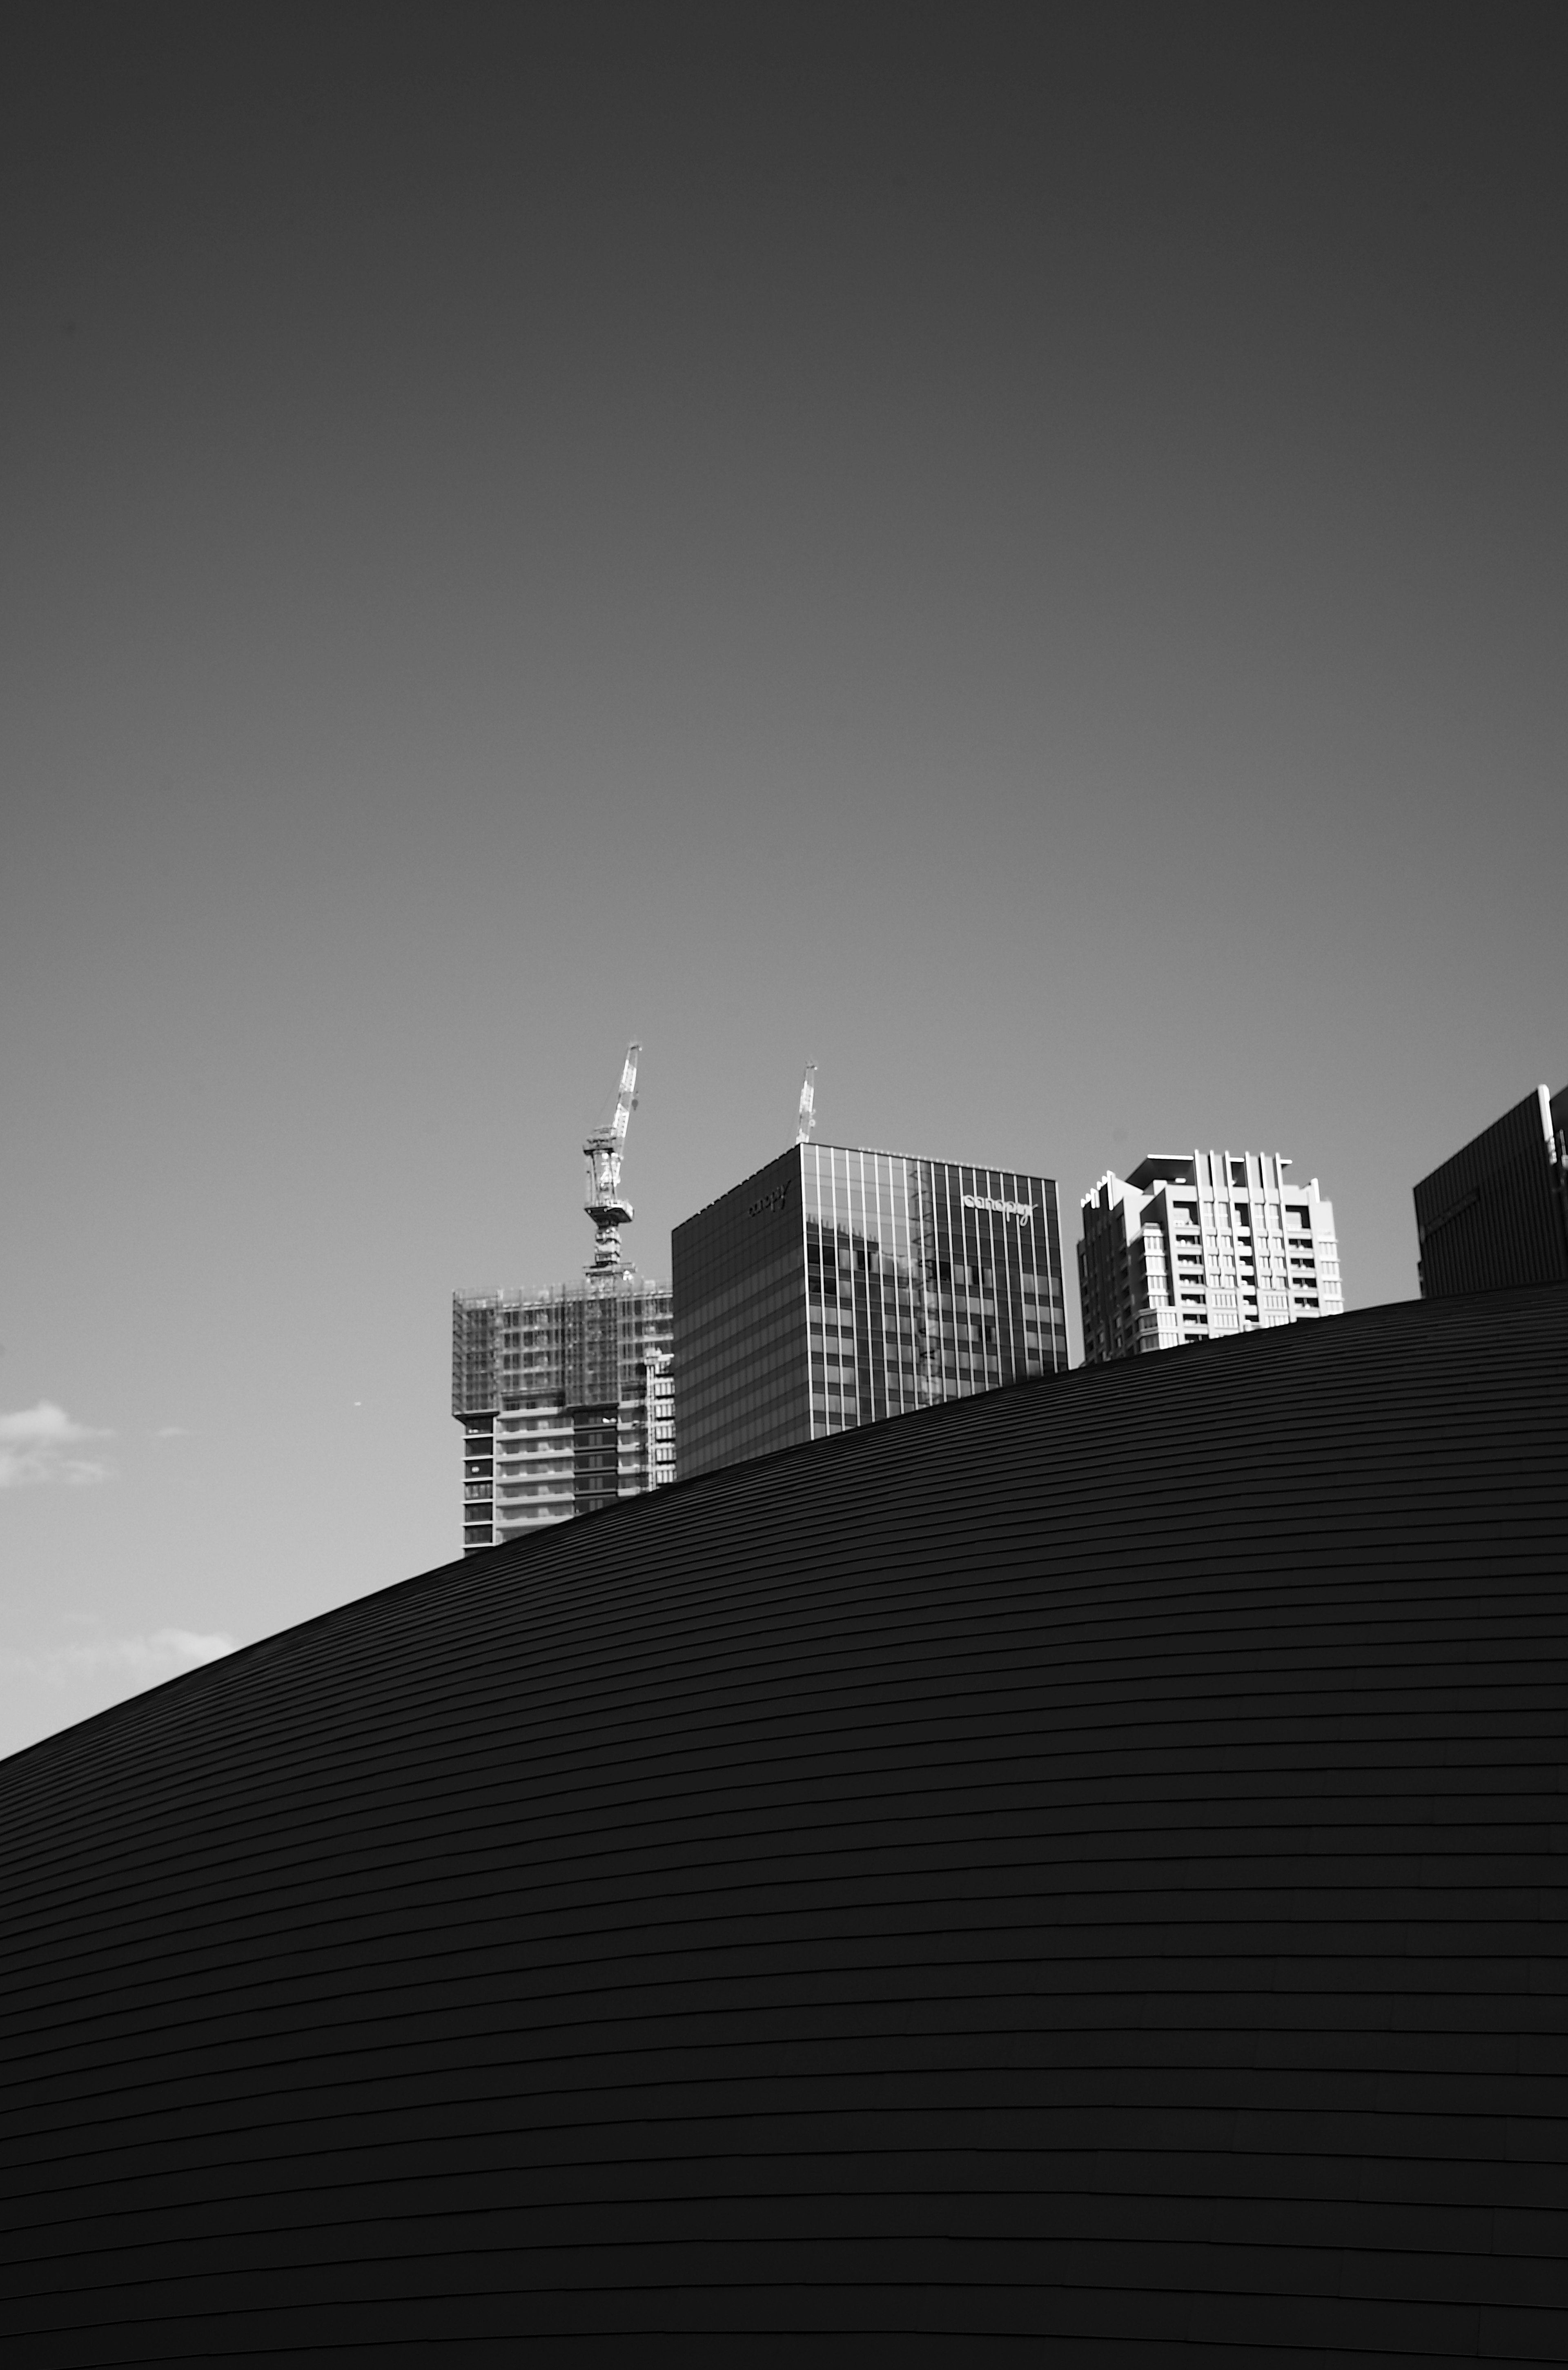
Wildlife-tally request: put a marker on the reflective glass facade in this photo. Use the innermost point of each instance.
(838, 1286)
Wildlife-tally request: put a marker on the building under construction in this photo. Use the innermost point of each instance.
(564, 1394)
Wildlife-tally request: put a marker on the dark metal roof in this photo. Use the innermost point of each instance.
(1085, 1863)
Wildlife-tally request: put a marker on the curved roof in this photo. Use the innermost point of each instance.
(1085, 1863)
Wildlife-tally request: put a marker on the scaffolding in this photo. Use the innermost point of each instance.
(564, 1393)
(582, 1344)
(566, 1400)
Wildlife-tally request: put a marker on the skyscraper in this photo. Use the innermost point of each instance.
(1497, 1212)
(838, 1286)
(565, 1395)
(1201, 1244)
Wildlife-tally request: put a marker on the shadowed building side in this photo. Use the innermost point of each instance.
(1496, 1214)
(1082, 1864)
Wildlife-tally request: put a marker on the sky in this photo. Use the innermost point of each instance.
(1014, 553)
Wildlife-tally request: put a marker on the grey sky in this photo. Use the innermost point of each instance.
(1017, 557)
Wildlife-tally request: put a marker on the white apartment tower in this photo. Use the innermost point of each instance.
(1202, 1244)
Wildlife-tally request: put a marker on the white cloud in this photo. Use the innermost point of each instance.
(45, 1421)
(147, 1659)
(172, 1432)
(37, 1445)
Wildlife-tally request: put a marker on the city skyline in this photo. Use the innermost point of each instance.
(1016, 559)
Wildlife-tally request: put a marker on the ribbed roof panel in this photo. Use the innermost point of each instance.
(1084, 1863)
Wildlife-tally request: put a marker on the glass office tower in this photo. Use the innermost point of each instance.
(838, 1286)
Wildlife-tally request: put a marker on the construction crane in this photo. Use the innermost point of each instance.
(607, 1204)
(807, 1119)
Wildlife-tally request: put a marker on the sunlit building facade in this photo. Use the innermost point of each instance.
(1201, 1244)
(838, 1287)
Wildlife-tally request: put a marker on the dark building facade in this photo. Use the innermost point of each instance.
(839, 1286)
(1497, 1212)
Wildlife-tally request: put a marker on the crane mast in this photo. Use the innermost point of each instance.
(607, 1204)
(807, 1119)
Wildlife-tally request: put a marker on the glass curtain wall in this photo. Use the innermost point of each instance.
(838, 1286)
(925, 1280)
(742, 1381)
